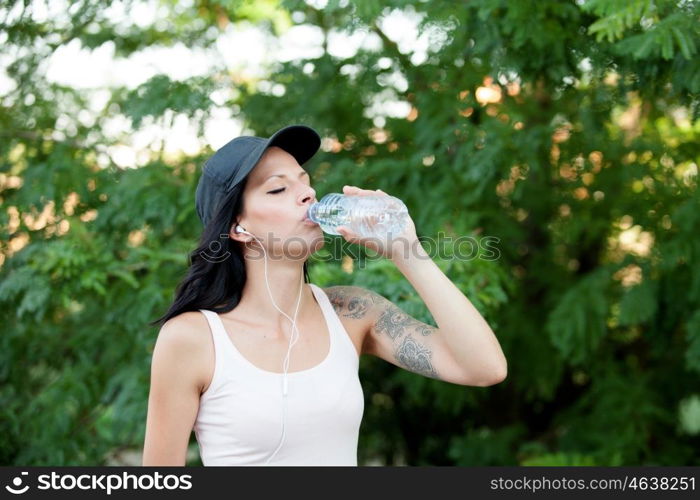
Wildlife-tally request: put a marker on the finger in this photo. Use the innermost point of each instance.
(346, 233)
(352, 191)
(355, 191)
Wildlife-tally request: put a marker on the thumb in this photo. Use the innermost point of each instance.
(344, 231)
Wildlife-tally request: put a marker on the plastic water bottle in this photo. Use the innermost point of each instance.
(367, 215)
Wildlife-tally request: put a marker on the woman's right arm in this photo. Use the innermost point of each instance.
(176, 383)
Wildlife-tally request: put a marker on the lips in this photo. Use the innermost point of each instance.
(308, 221)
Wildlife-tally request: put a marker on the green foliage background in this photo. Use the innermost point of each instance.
(584, 165)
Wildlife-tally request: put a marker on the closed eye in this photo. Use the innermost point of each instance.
(276, 191)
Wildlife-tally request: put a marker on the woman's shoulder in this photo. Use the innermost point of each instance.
(185, 328)
(187, 341)
(356, 303)
(347, 298)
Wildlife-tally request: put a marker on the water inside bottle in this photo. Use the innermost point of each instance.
(332, 211)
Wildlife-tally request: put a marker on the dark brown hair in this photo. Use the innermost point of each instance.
(215, 279)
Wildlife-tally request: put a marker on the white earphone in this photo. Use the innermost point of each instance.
(241, 229)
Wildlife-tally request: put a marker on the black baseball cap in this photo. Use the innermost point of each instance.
(235, 159)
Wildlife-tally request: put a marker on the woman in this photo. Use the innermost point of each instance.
(223, 362)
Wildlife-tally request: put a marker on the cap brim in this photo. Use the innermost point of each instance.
(300, 141)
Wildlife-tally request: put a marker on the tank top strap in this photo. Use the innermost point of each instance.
(337, 330)
(218, 331)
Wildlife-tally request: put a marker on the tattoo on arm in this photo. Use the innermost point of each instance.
(410, 353)
(395, 323)
(415, 357)
(402, 329)
(350, 305)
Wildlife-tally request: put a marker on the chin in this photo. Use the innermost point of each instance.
(318, 242)
(306, 244)
(314, 241)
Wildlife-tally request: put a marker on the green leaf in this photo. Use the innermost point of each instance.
(692, 353)
(686, 44)
(577, 324)
(639, 303)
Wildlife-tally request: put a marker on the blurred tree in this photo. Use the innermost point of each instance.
(566, 129)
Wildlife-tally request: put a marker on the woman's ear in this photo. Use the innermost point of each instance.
(235, 233)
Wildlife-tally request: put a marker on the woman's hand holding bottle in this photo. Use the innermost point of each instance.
(398, 246)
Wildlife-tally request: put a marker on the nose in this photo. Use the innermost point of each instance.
(308, 196)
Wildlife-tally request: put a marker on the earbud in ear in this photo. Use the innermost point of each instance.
(241, 229)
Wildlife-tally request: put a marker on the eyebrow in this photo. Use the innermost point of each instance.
(283, 175)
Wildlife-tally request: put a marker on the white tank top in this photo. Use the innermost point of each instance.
(239, 421)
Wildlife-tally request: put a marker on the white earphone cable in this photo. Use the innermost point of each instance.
(292, 341)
